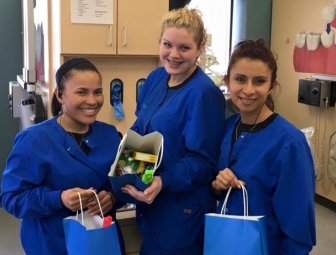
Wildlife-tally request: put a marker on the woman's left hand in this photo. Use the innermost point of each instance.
(106, 200)
(149, 194)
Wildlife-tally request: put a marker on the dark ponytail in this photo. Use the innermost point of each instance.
(56, 107)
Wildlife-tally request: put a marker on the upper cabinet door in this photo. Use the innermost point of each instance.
(139, 26)
(92, 39)
(135, 29)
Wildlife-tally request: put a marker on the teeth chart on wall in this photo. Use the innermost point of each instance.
(315, 52)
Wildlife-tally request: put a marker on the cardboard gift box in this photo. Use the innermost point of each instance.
(152, 144)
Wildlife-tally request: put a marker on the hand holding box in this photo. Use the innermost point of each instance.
(152, 144)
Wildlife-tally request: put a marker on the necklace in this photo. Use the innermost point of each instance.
(234, 158)
(79, 140)
(248, 131)
(255, 124)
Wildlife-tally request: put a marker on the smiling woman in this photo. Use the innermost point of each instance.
(181, 94)
(282, 171)
(68, 154)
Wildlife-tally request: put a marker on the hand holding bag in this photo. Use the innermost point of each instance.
(235, 234)
(88, 236)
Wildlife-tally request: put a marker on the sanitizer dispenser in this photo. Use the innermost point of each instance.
(312, 92)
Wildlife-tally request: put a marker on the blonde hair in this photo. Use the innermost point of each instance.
(190, 19)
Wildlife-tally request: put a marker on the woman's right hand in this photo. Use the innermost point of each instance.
(70, 198)
(226, 179)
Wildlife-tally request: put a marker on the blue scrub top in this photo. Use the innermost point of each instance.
(191, 118)
(45, 160)
(277, 166)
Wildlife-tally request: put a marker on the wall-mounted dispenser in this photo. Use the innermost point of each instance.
(139, 85)
(116, 97)
(313, 92)
(330, 81)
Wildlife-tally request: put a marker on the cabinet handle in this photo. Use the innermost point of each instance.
(111, 36)
(125, 36)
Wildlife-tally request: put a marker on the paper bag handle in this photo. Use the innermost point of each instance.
(121, 142)
(81, 206)
(245, 200)
(160, 155)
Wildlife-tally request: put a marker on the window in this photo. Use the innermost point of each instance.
(217, 19)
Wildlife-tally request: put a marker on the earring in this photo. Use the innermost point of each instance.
(61, 111)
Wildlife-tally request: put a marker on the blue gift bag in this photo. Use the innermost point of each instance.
(233, 234)
(84, 235)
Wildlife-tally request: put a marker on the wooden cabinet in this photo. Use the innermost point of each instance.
(135, 29)
(139, 26)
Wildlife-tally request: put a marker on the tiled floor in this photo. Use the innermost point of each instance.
(326, 231)
(325, 226)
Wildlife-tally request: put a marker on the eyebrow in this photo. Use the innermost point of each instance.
(264, 77)
(183, 44)
(86, 89)
(260, 76)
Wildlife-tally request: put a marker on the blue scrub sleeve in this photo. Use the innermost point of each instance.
(22, 195)
(293, 200)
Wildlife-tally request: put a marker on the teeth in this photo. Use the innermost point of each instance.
(300, 39)
(89, 110)
(174, 62)
(313, 41)
(247, 101)
(328, 39)
(329, 13)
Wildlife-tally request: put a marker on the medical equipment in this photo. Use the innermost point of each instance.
(327, 82)
(30, 107)
(332, 158)
(313, 92)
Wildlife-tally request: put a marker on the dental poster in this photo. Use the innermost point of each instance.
(315, 52)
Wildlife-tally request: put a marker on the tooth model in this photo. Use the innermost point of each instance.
(300, 39)
(329, 13)
(328, 39)
(313, 41)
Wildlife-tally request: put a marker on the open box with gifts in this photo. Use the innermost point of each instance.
(136, 149)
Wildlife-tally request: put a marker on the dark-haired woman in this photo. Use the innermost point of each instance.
(52, 161)
(266, 153)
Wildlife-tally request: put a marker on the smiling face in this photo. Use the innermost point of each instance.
(249, 83)
(178, 53)
(81, 99)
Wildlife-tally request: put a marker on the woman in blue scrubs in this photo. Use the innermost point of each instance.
(181, 102)
(52, 161)
(266, 153)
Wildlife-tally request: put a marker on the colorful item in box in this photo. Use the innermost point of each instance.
(128, 165)
(144, 156)
(147, 177)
